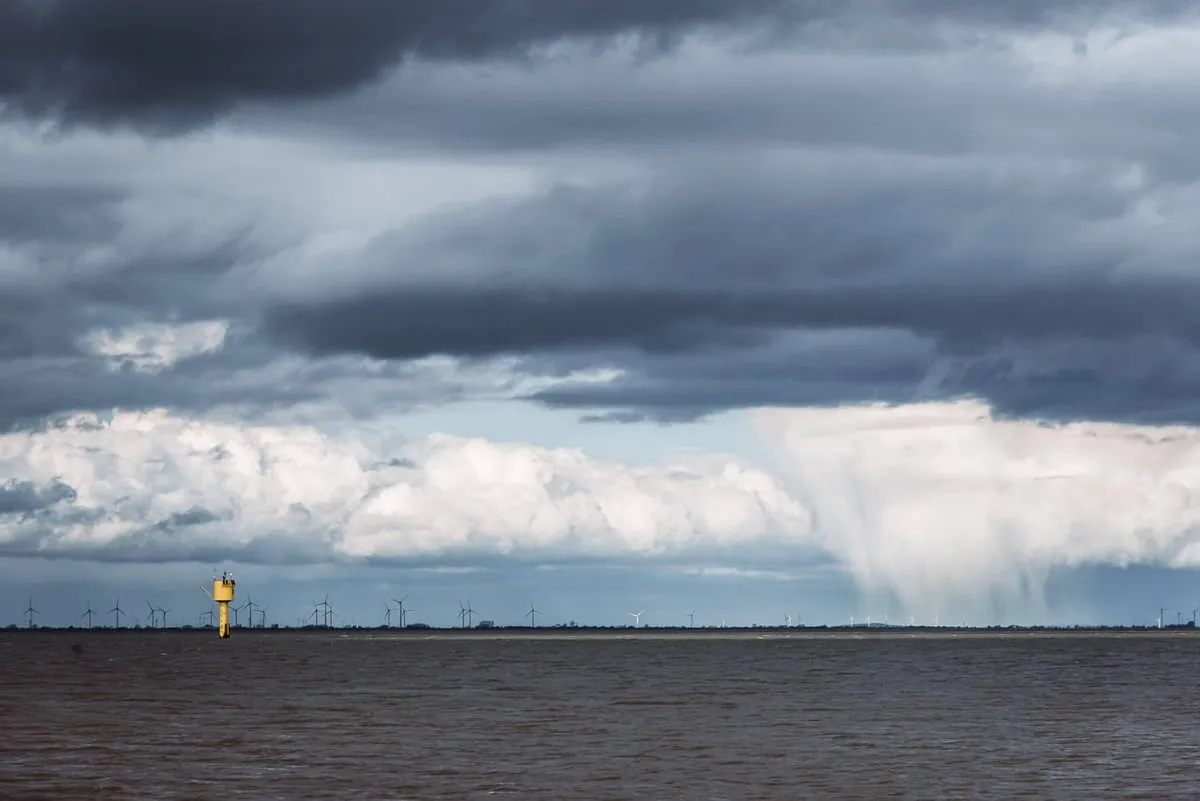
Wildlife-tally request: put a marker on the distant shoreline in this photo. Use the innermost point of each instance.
(647, 632)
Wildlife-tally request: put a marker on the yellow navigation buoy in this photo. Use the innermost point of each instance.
(222, 594)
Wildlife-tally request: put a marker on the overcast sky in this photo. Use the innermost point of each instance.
(766, 308)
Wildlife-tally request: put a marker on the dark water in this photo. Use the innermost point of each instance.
(322, 715)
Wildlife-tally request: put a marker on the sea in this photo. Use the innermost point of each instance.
(712, 715)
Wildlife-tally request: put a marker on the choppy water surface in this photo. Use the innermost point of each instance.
(326, 715)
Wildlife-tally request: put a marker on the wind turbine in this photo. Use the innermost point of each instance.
(324, 621)
(465, 613)
(209, 615)
(88, 614)
(403, 612)
(387, 615)
(1161, 611)
(691, 616)
(722, 620)
(787, 620)
(262, 617)
(163, 612)
(31, 611)
(637, 617)
(153, 614)
(237, 609)
(532, 614)
(117, 612)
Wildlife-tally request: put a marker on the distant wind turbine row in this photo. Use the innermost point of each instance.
(158, 614)
(324, 616)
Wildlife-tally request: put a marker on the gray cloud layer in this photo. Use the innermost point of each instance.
(174, 65)
(902, 275)
(813, 203)
(25, 497)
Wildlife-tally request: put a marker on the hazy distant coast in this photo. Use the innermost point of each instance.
(650, 633)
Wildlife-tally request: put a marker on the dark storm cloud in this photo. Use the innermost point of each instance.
(813, 369)
(175, 64)
(936, 282)
(1149, 381)
(420, 322)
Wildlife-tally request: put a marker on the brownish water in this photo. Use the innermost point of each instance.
(325, 715)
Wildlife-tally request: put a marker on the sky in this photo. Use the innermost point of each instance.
(875, 308)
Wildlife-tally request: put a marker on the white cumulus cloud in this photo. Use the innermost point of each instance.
(156, 486)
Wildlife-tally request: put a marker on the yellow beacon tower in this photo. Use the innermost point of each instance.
(222, 593)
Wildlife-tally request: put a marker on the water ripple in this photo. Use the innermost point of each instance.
(307, 716)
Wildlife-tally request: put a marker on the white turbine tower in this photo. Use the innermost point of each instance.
(403, 612)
